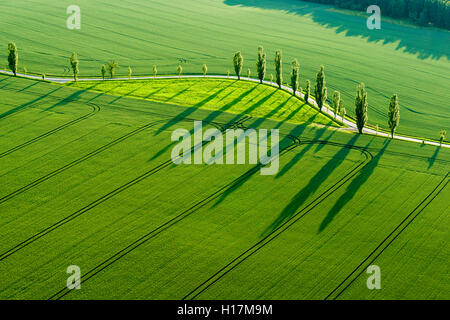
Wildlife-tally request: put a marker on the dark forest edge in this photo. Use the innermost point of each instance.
(434, 13)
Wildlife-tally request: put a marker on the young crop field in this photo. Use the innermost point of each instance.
(118, 140)
(87, 180)
(412, 62)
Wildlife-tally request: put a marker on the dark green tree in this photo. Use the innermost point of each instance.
(361, 105)
(238, 62)
(278, 68)
(294, 76)
(393, 114)
(103, 71)
(261, 64)
(13, 57)
(307, 91)
(320, 89)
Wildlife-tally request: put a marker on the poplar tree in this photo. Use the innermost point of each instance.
(321, 89)
(13, 57)
(278, 68)
(179, 70)
(103, 71)
(442, 136)
(74, 64)
(155, 71)
(238, 62)
(393, 114)
(130, 73)
(294, 75)
(361, 105)
(205, 70)
(261, 64)
(307, 91)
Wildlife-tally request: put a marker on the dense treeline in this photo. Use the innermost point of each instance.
(422, 12)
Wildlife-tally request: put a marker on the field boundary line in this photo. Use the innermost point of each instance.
(389, 239)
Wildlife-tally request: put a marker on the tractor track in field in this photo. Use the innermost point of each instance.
(76, 162)
(388, 240)
(187, 212)
(95, 110)
(108, 196)
(86, 157)
(134, 245)
(286, 224)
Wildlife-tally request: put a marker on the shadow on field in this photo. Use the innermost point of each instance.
(426, 43)
(353, 188)
(433, 157)
(213, 115)
(27, 104)
(313, 185)
(71, 98)
(190, 110)
(250, 173)
(300, 154)
(28, 87)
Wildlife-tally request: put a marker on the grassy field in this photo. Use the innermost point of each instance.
(413, 62)
(221, 95)
(86, 179)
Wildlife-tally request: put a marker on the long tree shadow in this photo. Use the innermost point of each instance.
(300, 154)
(189, 111)
(29, 86)
(27, 104)
(425, 43)
(313, 185)
(320, 146)
(286, 141)
(213, 115)
(433, 158)
(353, 188)
(71, 98)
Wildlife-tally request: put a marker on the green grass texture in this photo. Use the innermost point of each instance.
(410, 61)
(86, 179)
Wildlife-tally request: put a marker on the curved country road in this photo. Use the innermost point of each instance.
(350, 125)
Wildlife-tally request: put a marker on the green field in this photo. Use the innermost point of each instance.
(221, 95)
(413, 62)
(87, 180)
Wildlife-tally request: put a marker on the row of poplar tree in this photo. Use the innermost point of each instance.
(320, 89)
